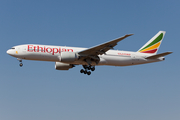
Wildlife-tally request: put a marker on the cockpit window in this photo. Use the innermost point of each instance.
(12, 48)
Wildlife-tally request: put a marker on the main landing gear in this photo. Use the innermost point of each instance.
(20, 60)
(86, 68)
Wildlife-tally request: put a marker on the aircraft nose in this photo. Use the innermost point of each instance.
(9, 52)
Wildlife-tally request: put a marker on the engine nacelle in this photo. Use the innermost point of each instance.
(63, 66)
(68, 56)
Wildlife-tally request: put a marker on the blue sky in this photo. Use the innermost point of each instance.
(38, 91)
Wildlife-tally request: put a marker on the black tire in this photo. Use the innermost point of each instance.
(89, 68)
(20, 64)
(93, 68)
(85, 72)
(81, 71)
(85, 66)
(89, 73)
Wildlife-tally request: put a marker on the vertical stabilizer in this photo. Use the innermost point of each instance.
(153, 44)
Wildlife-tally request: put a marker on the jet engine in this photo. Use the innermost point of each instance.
(63, 66)
(68, 56)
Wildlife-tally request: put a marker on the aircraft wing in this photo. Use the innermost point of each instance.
(102, 48)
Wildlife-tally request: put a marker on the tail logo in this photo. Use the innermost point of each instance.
(153, 46)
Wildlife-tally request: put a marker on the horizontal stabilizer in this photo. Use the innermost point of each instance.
(158, 55)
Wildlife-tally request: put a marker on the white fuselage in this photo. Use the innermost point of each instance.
(52, 53)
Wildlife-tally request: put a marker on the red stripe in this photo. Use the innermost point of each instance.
(150, 51)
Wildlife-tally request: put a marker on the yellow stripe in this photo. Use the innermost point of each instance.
(152, 47)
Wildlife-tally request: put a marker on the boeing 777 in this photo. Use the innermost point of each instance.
(68, 57)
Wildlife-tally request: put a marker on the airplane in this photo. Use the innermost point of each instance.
(66, 58)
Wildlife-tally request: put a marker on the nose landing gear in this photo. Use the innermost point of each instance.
(20, 64)
(20, 60)
(86, 68)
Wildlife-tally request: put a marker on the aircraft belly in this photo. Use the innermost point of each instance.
(124, 60)
(118, 60)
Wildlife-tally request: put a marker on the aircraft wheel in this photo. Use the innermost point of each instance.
(89, 73)
(89, 68)
(93, 68)
(81, 71)
(20, 64)
(85, 66)
(85, 72)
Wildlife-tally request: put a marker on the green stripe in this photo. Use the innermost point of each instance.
(159, 38)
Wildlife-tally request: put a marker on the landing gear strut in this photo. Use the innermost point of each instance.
(86, 68)
(20, 60)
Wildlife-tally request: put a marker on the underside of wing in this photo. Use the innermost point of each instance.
(102, 48)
